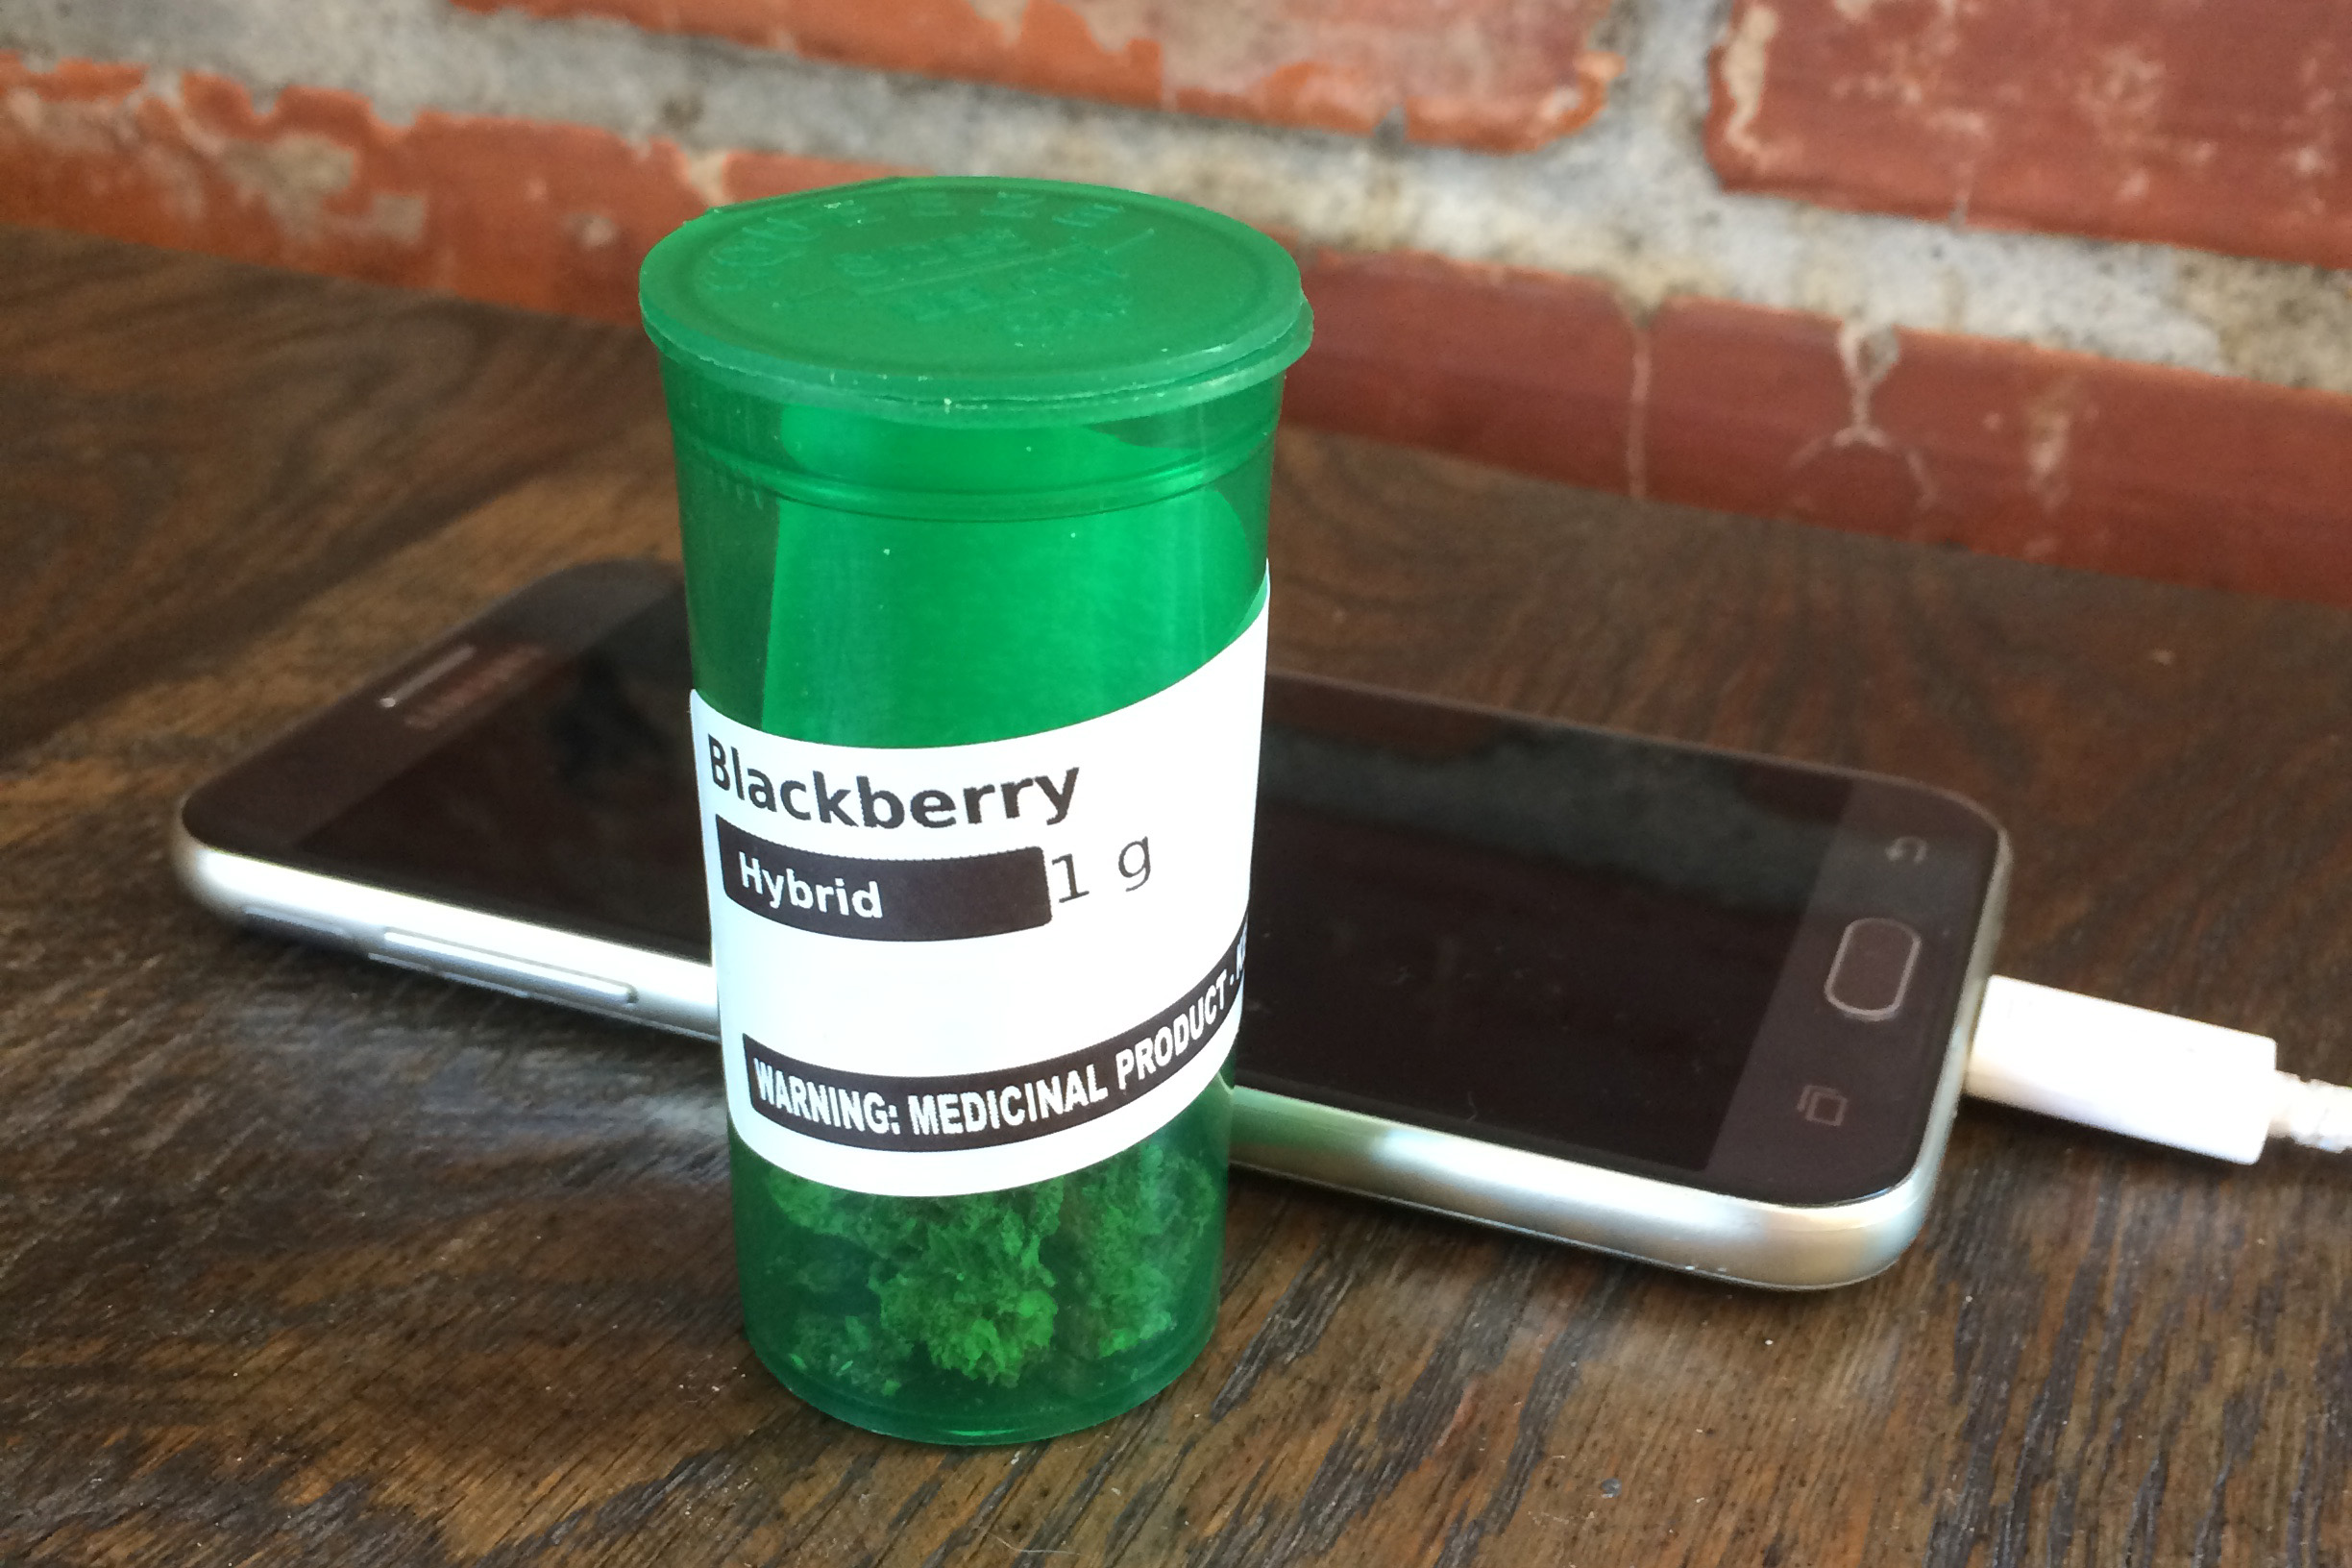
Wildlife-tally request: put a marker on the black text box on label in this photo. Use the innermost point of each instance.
(980, 1110)
(885, 901)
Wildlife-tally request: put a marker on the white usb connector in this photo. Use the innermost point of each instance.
(2149, 1075)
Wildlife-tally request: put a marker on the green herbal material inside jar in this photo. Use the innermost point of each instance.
(960, 460)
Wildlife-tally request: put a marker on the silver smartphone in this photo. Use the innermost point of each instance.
(1706, 1010)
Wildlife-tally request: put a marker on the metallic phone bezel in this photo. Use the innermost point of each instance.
(518, 957)
(1785, 1247)
(1678, 1226)
(1745, 1240)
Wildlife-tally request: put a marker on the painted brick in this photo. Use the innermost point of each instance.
(2218, 126)
(1492, 75)
(551, 216)
(2003, 448)
(1528, 370)
(1995, 446)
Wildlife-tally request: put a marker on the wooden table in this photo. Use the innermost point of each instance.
(306, 1260)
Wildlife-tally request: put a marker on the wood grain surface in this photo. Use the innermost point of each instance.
(306, 1260)
(188, 447)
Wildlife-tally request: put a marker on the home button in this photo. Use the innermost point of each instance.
(1872, 972)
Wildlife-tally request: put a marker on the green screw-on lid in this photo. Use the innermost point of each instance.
(976, 301)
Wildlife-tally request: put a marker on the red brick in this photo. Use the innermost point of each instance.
(1528, 370)
(525, 212)
(1740, 412)
(1493, 75)
(2218, 126)
(1995, 446)
(2003, 448)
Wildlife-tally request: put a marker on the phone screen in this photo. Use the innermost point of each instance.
(571, 802)
(1538, 935)
(1541, 935)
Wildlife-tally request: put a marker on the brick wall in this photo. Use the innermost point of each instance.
(2047, 277)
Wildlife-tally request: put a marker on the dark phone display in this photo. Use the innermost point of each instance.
(570, 803)
(1542, 936)
(1532, 935)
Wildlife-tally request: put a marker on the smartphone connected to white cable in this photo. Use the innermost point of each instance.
(1706, 1009)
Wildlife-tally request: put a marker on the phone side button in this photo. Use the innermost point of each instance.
(499, 969)
(1872, 972)
(281, 924)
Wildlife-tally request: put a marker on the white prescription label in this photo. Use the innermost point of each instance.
(959, 968)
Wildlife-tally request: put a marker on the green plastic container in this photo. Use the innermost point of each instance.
(961, 460)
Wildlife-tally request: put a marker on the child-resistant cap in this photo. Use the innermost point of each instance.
(976, 301)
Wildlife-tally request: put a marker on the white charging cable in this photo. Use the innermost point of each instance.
(2194, 1086)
